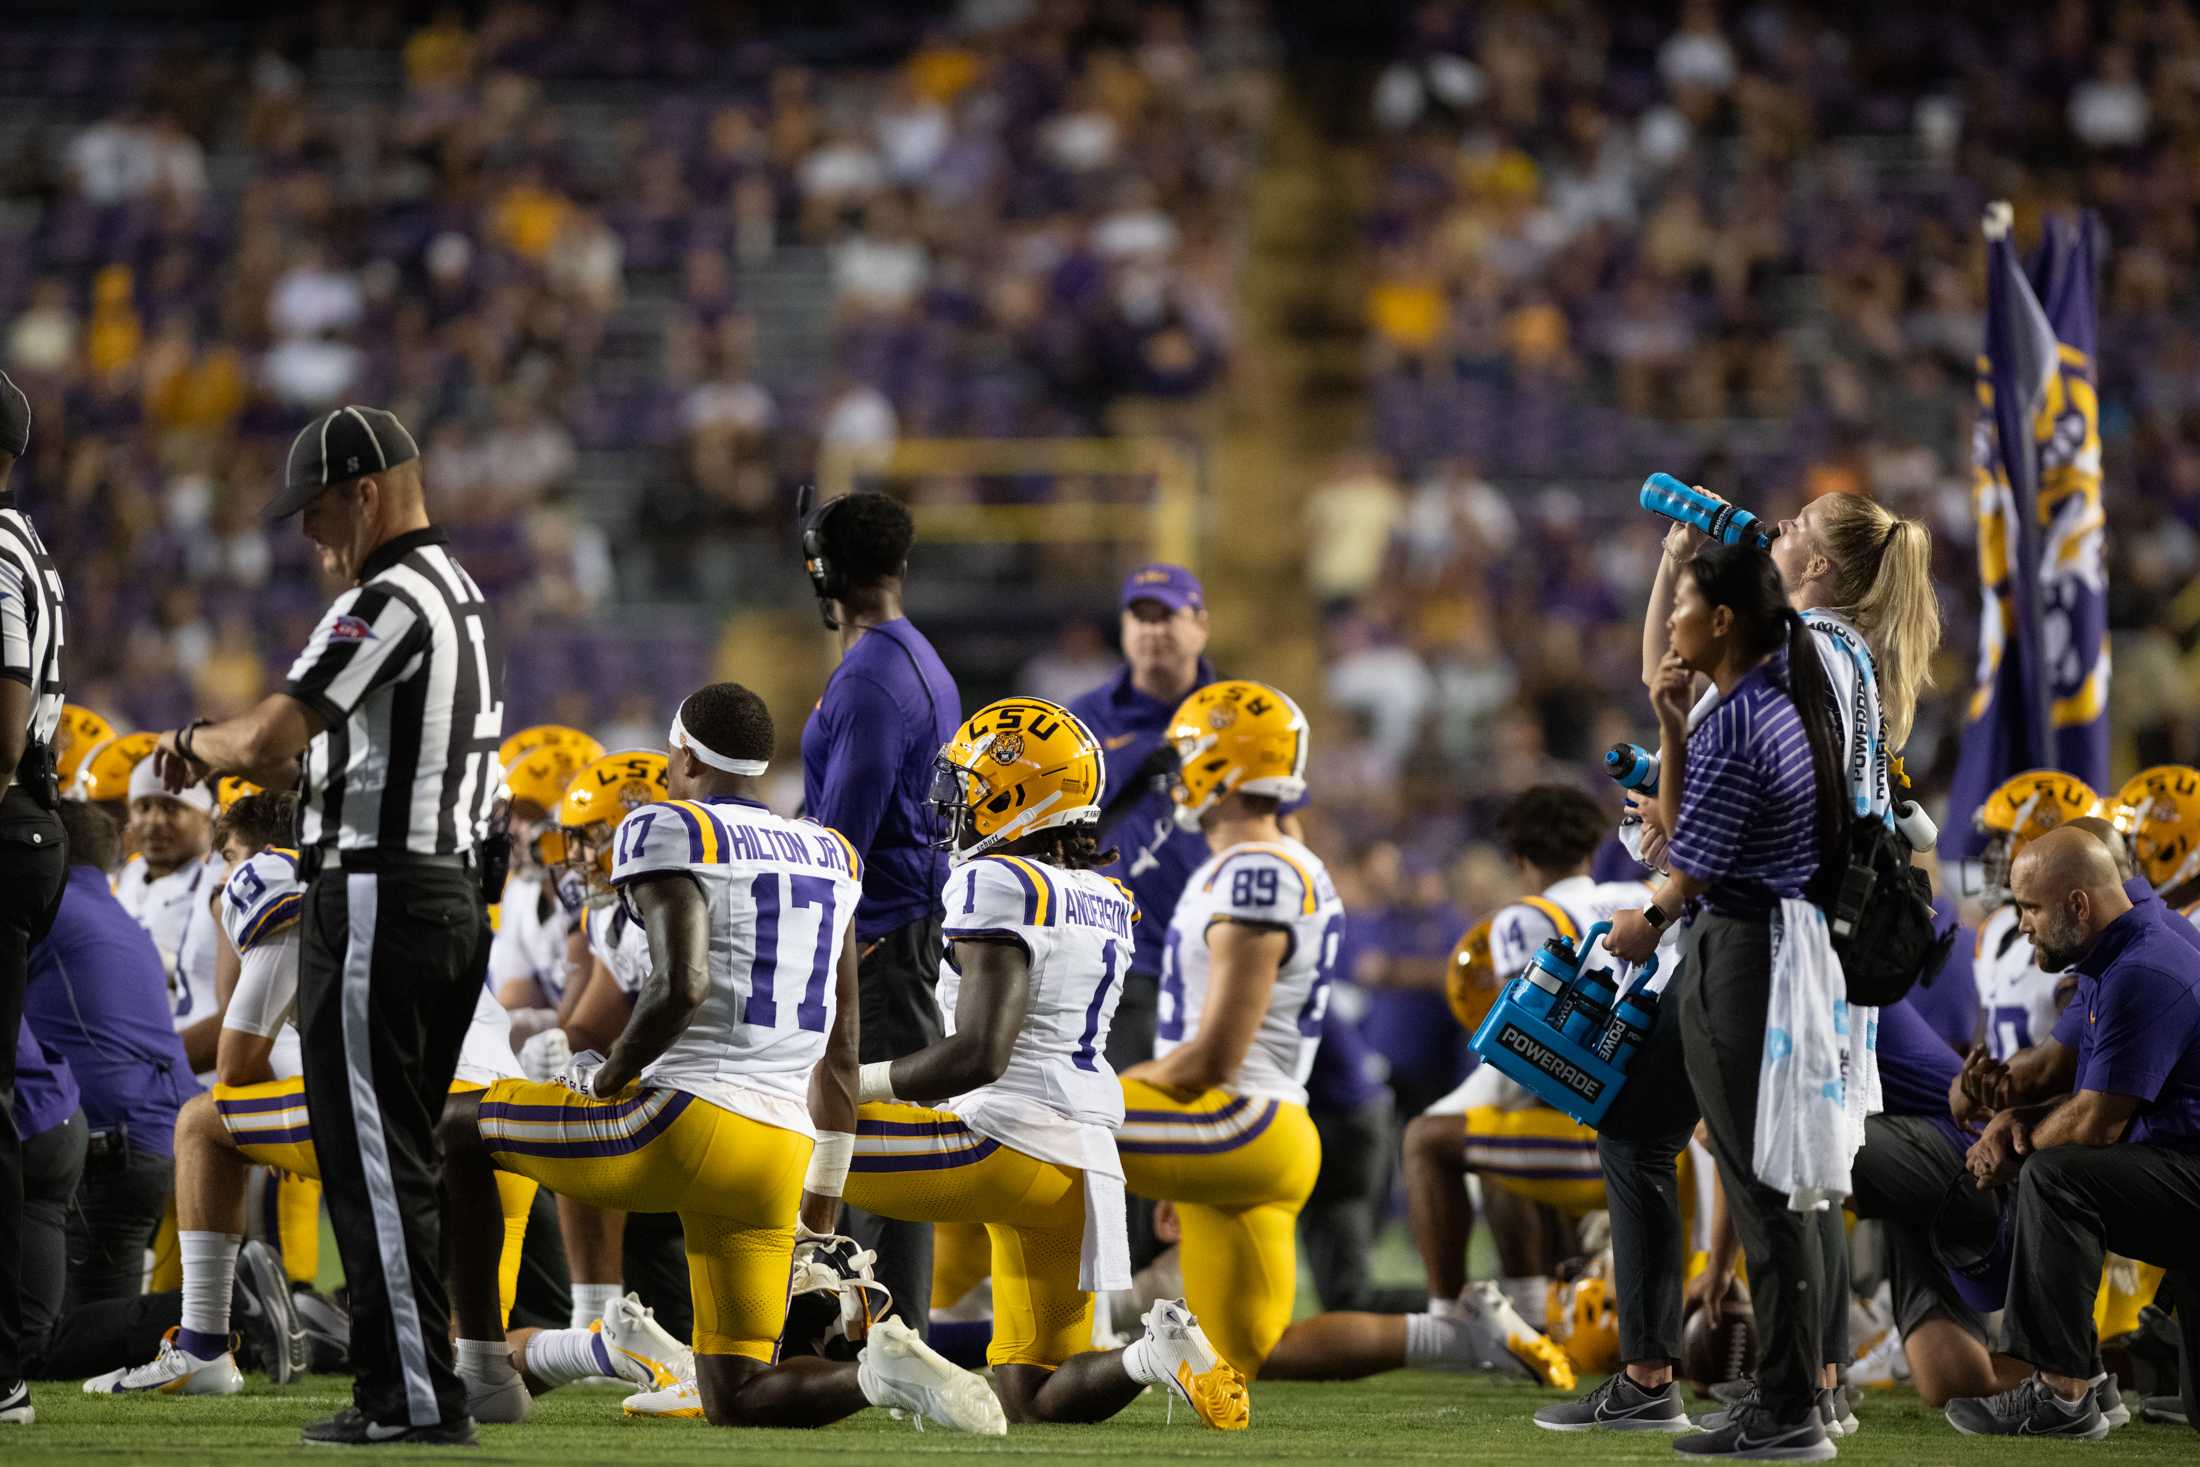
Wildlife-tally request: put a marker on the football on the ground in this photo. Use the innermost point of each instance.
(1714, 1354)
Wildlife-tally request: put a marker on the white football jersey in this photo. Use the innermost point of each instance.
(781, 892)
(1075, 928)
(2016, 999)
(617, 941)
(173, 910)
(1278, 884)
(261, 905)
(1570, 908)
(532, 926)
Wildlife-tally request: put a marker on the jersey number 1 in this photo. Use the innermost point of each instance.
(762, 1008)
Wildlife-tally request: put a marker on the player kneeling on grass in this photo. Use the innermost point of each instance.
(1216, 1123)
(1038, 944)
(251, 1118)
(740, 1049)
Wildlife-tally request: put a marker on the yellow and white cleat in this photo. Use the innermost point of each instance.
(1503, 1341)
(172, 1372)
(680, 1401)
(634, 1337)
(898, 1369)
(1197, 1373)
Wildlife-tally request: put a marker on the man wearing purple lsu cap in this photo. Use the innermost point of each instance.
(1164, 642)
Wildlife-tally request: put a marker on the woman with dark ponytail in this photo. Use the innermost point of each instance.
(1754, 798)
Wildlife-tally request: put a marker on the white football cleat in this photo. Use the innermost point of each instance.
(1884, 1365)
(681, 1401)
(1500, 1340)
(498, 1402)
(897, 1368)
(172, 1372)
(1197, 1374)
(632, 1334)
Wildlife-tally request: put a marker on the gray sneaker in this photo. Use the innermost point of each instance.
(1618, 1405)
(1751, 1434)
(1719, 1420)
(2029, 1408)
(2109, 1396)
(2165, 1410)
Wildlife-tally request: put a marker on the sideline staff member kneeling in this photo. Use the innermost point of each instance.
(1759, 794)
(395, 704)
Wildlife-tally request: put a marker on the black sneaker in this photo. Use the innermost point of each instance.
(2028, 1408)
(1717, 1420)
(270, 1337)
(328, 1332)
(1618, 1405)
(1751, 1434)
(15, 1404)
(2109, 1396)
(1734, 1392)
(2166, 1410)
(350, 1428)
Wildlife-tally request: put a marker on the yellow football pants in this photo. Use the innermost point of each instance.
(736, 1183)
(1238, 1170)
(269, 1124)
(924, 1165)
(1538, 1153)
(962, 1258)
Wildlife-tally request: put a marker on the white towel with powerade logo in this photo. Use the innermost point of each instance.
(1819, 1074)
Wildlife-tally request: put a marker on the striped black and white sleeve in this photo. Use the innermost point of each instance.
(367, 638)
(18, 607)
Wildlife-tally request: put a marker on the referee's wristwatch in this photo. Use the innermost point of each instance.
(1656, 916)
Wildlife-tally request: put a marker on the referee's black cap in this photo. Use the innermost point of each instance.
(337, 447)
(15, 418)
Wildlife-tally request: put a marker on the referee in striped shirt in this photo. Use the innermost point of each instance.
(33, 850)
(395, 705)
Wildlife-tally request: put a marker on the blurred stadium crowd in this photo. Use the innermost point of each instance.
(631, 267)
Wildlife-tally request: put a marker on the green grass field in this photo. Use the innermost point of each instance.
(1398, 1418)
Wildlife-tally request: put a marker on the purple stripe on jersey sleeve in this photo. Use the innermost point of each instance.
(1031, 891)
(695, 832)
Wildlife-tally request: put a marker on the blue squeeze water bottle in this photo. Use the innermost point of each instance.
(1592, 1006)
(1547, 976)
(1632, 1020)
(1666, 495)
(1633, 766)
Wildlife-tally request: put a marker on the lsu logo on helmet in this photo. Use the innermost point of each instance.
(1236, 737)
(2023, 809)
(2158, 811)
(599, 797)
(1017, 767)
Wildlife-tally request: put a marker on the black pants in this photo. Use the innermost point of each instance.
(1337, 1225)
(2075, 1204)
(1644, 1134)
(1910, 1178)
(391, 966)
(1130, 1042)
(53, 1162)
(34, 860)
(1797, 1260)
(901, 1015)
(116, 1210)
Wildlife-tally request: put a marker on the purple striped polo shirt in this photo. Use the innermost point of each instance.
(1749, 819)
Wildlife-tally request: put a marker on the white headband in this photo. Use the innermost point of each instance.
(682, 739)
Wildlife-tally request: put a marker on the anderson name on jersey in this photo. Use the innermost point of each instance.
(780, 893)
(1075, 928)
(1278, 884)
(260, 907)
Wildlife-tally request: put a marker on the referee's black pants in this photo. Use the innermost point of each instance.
(895, 977)
(34, 865)
(1797, 1260)
(392, 964)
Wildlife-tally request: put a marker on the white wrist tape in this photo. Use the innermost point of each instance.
(874, 1083)
(829, 1163)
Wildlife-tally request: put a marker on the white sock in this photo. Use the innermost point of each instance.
(1431, 1340)
(1529, 1297)
(1142, 1363)
(561, 1356)
(1444, 1308)
(487, 1361)
(209, 1274)
(589, 1301)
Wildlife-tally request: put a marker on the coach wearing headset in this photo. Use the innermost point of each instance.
(867, 755)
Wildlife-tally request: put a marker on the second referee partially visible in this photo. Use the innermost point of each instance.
(395, 705)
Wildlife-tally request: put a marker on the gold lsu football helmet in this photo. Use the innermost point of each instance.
(105, 772)
(540, 763)
(1236, 737)
(1017, 767)
(80, 732)
(1471, 980)
(604, 793)
(2023, 809)
(2159, 813)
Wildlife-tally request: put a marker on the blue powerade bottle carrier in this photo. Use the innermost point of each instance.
(1526, 1035)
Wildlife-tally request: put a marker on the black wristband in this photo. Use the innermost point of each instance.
(1655, 916)
(183, 738)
